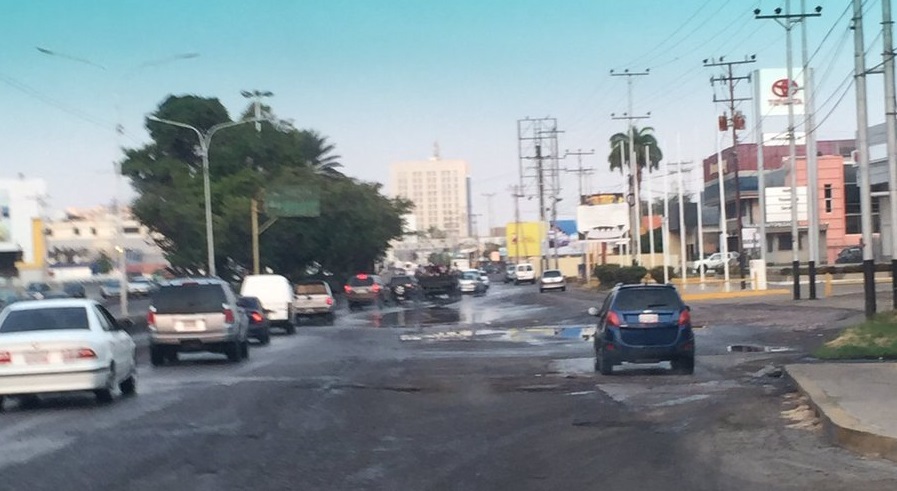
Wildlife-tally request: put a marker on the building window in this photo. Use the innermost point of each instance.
(93, 231)
(852, 215)
(131, 230)
(785, 241)
(827, 193)
(76, 231)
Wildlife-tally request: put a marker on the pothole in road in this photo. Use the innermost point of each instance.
(754, 348)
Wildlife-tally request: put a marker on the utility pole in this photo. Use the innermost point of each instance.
(516, 194)
(579, 171)
(812, 161)
(489, 197)
(650, 201)
(532, 140)
(735, 119)
(256, 96)
(859, 58)
(635, 215)
(787, 21)
(891, 122)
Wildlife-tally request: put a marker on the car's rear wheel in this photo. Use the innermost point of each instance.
(157, 356)
(104, 395)
(329, 319)
(290, 328)
(233, 352)
(605, 366)
(563, 288)
(265, 338)
(684, 365)
(128, 386)
(2, 400)
(244, 350)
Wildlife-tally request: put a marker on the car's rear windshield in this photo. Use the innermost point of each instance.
(400, 280)
(524, 267)
(45, 319)
(189, 299)
(551, 274)
(311, 289)
(249, 303)
(470, 275)
(361, 281)
(647, 299)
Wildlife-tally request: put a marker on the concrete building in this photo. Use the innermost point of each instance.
(440, 191)
(21, 207)
(838, 200)
(85, 234)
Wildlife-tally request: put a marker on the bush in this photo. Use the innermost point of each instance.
(657, 273)
(607, 273)
(633, 274)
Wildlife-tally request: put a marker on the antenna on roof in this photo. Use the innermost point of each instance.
(435, 150)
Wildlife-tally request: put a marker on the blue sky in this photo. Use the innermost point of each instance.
(385, 79)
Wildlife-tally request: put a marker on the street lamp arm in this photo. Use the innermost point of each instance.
(176, 123)
(229, 124)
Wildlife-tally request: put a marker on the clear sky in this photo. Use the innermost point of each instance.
(384, 79)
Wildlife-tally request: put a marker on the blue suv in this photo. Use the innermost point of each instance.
(644, 324)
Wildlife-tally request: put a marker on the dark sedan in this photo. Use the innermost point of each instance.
(259, 325)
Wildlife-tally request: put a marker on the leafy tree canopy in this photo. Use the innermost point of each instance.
(352, 233)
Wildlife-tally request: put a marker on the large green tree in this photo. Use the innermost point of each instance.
(356, 224)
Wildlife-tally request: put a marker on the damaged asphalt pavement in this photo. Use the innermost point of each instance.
(492, 392)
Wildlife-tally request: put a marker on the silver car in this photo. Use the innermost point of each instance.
(196, 315)
(552, 279)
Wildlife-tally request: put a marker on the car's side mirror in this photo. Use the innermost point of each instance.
(124, 323)
(593, 311)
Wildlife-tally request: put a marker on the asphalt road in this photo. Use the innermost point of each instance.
(493, 392)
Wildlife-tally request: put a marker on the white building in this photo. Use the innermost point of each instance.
(21, 204)
(440, 191)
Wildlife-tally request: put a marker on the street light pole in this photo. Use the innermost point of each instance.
(205, 141)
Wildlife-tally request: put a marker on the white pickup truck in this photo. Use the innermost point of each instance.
(714, 262)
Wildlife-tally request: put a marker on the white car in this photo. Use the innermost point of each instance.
(484, 277)
(552, 279)
(64, 345)
(471, 282)
(714, 262)
(140, 287)
(525, 273)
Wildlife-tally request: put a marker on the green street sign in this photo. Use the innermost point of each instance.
(293, 202)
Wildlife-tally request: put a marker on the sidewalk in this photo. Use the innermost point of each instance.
(857, 403)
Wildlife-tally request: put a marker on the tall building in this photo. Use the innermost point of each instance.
(440, 191)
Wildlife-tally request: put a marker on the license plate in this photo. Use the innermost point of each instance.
(648, 318)
(362, 290)
(37, 358)
(188, 326)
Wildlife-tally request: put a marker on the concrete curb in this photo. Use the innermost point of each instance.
(840, 427)
(690, 297)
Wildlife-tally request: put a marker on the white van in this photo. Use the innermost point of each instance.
(525, 273)
(276, 295)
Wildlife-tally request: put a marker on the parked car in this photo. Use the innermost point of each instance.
(38, 289)
(643, 323)
(510, 273)
(259, 325)
(141, 287)
(365, 289)
(404, 287)
(110, 289)
(715, 262)
(524, 273)
(11, 294)
(484, 277)
(64, 345)
(552, 279)
(472, 282)
(850, 255)
(74, 290)
(188, 315)
(314, 299)
(276, 294)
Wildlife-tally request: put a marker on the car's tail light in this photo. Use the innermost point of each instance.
(348, 289)
(329, 300)
(684, 318)
(375, 288)
(79, 354)
(229, 316)
(150, 318)
(5, 357)
(256, 317)
(613, 319)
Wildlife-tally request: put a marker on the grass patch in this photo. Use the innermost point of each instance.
(874, 338)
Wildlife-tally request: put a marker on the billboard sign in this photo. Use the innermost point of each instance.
(608, 222)
(524, 239)
(773, 85)
(778, 204)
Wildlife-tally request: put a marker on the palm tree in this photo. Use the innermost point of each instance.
(320, 154)
(641, 137)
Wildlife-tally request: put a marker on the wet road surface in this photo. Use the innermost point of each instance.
(492, 392)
